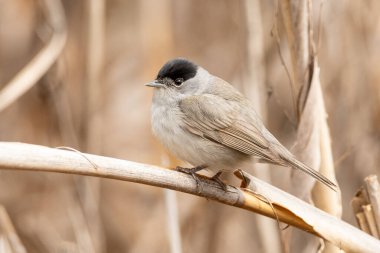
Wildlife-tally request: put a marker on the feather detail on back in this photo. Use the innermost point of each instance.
(227, 126)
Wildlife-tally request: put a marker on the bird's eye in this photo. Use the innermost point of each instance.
(178, 81)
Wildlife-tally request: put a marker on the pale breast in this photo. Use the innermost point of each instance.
(168, 126)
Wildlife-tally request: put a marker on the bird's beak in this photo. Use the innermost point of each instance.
(155, 84)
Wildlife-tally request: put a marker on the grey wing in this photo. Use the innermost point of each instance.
(222, 121)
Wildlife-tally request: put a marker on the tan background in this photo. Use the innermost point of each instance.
(50, 210)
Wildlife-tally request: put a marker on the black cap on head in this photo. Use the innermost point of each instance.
(178, 68)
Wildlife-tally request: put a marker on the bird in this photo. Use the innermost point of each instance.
(205, 121)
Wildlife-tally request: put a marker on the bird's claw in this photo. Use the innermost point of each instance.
(193, 173)
(216, 179)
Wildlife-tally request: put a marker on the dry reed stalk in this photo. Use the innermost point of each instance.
(62, 108)
(92, 118)
(373, 190)
(4, 245)
(295, 17)
(362, 221)
(365, 206)
(93, 92)
(8, 234)
(157, 47)
(173, 221)
(313, 144)
(171, 206)
(288, 209)
(40, 64)
(357, 202)
(255, 89)
(80, 226)
(369, 216)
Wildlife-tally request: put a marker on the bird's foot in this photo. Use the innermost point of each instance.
(245, 181)
(193, 173)
(216, 179)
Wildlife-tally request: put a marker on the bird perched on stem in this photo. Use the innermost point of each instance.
(205, 121)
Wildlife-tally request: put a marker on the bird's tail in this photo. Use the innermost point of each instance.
(315, 174)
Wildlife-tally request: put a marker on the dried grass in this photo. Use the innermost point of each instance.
(213, 33)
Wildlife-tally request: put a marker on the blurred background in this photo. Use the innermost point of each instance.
(93, 99)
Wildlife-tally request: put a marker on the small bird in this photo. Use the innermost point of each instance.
(205, 121)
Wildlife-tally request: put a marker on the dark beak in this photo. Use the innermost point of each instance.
(155, 84)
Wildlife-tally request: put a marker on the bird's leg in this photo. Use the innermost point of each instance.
(216, 179)
(190, 171)
(193, 172)
(245, 179)
(246, 182)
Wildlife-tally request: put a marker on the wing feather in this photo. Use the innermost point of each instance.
(220, 120)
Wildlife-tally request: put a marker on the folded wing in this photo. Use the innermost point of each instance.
(223, 121)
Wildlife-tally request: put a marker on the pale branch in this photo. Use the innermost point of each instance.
(40, 64)
(288, 209)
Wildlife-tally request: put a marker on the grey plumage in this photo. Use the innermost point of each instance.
(205, 121)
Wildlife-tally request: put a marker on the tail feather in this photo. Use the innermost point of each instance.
(315, 174)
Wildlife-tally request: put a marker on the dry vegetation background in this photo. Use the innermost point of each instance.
(63, 213)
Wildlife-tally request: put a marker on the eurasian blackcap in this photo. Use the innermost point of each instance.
(205, 121)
